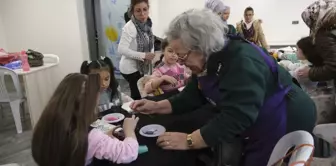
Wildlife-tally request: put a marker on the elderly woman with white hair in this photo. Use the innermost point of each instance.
(256, 99)
(218, 7)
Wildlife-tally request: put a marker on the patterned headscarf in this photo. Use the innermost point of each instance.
(320, 15)
(226, 7)
(217, 6)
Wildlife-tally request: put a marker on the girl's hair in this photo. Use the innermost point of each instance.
(135, 2)
(105, 64)
(164, 45)
(61, 135)
(308, 49)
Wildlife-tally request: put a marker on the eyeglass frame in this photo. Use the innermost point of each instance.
(184, 57)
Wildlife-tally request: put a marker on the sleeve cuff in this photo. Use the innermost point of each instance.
(131, 141)
(173, 104)
(209, 136)
(142, 56)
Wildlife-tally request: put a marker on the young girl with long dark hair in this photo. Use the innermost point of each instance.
(63, 137)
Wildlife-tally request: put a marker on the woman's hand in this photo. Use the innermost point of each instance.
(144, 106)
(173, 141)
(149, 56)
(169, 79)
(151, 107)
(303, 73)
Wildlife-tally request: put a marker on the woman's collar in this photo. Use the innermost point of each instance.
(213, 59)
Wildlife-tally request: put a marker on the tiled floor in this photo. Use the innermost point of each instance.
(15, 148)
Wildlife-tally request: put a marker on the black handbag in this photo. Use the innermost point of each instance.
(228, 154)
(35, 59)
(224, 154)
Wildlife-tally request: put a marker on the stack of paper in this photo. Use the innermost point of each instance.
(181, 89)
(126, 107)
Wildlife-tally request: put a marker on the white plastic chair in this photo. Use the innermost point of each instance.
(50, 58)
(141, 85)
(326, 132)
(296, 139)
(13, 98)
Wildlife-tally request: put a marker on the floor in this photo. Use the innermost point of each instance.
(16, 148)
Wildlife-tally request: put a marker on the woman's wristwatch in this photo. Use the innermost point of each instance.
(190, 141)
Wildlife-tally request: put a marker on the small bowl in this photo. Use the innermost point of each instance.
(113, 118)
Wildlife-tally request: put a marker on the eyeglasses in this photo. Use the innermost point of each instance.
(183, 56)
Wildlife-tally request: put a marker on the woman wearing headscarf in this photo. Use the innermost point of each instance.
(218, 7)
(256, 100)
(320, 17)
(251, 29)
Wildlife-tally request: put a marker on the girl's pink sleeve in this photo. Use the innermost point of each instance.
(103, 146)
(156, 73)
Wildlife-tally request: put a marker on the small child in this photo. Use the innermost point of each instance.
(168, 75)
(306, 51)
(306, 55)
(63, 135)
(110, 91)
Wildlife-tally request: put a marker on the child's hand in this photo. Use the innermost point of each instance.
(169, 79)
(129, 126)
(110, 133)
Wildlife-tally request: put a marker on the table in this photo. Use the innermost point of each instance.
(159, 157)
(39, 83)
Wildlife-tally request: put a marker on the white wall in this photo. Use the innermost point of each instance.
(154, 15)
(49, 26)
(166, 10)
(3, 43)
(277, 16)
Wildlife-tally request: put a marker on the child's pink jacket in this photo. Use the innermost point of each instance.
(102, 146)
(177, 71)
